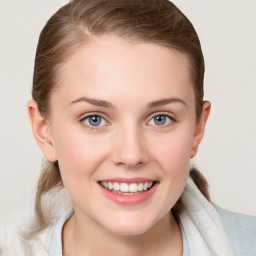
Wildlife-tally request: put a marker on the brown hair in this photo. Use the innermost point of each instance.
(73, 25)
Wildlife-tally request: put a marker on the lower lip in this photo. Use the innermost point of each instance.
(129, 199)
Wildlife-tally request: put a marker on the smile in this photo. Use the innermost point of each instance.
(128, 192)
(126, 188)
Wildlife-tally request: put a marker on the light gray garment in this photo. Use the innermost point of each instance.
(240, 229)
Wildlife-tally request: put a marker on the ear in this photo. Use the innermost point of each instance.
(200, 127)
(42, 131)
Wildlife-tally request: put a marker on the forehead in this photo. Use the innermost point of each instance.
(106, 66)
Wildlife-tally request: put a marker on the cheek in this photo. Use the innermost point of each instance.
(173, 152)
(78, 155)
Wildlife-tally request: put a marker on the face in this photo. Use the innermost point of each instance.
(123, 129)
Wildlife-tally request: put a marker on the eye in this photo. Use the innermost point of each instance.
(160, 120)
(94, 120)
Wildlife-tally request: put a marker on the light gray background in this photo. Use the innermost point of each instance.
(227, 156)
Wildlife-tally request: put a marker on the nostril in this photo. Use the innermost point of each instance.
(129, 161)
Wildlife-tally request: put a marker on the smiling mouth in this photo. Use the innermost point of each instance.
(127, 188)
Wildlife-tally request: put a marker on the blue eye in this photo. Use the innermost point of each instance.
(94, 120)
(160, 120)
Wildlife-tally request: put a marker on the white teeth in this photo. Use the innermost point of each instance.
(116, 186)
(110, 185)
(125, 187)
(133, 188)
(104, 184)
(145, 186)
(140, 187)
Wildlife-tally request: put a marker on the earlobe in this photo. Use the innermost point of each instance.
(200, 128)
(42, 131)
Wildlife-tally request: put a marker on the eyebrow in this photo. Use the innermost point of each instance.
(106, 104)
(163, 102)
(96, 102)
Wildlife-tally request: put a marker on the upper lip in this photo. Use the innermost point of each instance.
(128, 180)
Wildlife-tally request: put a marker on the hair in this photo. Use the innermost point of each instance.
(76, 23)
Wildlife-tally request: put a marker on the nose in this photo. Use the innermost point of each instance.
(129, 148)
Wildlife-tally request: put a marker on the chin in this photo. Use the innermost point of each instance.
(130, 226)
(130, 231)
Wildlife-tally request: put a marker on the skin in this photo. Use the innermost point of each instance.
(128, 143)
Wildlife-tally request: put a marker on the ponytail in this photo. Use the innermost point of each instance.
(50, 178)
(202, 185)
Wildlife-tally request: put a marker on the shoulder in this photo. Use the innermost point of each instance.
(241, 231)
(16, 243)
(23, 235)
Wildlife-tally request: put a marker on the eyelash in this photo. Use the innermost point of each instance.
(167, 115)
(82, 121)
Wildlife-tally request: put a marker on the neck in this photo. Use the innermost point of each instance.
(84, 238)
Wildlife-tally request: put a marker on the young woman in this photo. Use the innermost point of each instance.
(118, 113)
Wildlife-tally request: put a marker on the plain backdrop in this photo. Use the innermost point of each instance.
(227, 156)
